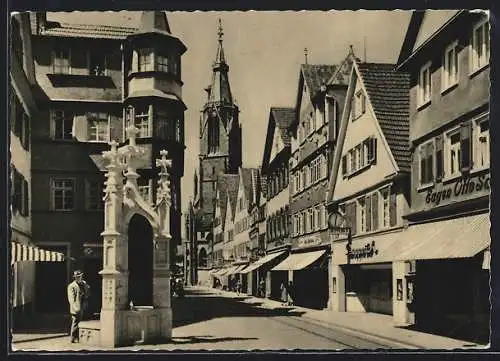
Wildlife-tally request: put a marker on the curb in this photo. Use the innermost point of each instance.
(351, 329)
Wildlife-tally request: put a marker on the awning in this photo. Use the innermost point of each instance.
(262, 261)
(237, 269)
(298, 261)
(462, 237)
(22, 252)
(226, 271)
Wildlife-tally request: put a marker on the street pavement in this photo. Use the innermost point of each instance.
(207, 319)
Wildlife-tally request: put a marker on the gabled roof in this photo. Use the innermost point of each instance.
(94, 31)
(225, 182)
(232, 193)
(343, 71)
(388, 92)
(316, 75)
(283, 117)
(246, 178)
(154, 21)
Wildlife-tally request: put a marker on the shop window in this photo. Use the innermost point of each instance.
(98, 124)
(480, 50)
(426, 163)
(449, 71)
(63, 194)
(61, 56)
(424, 85)
(97, 63)
(61, 124)
(482, 148)
(94, 195)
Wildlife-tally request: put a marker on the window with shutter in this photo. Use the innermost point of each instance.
(344, 166)
(353, 218)
(368, 205)
(393, 208)
(439, 158)
(374, 203)
(466, 146)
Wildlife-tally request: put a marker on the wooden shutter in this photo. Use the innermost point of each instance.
(81, 127)
(17, 194)
(393, 208)
(368, 213)
(430, 161)
(353, 218)
(344, 166)
(439, 158)
(372, 150)
(465, 146)
(25, 197)
(375, 221)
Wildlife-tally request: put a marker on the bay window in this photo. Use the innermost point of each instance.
(61, 60)
(61, 124)
(141, 121)
(146, 60)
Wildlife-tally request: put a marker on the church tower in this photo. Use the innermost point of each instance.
(220, 137)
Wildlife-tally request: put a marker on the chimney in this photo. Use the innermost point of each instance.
(38, 21)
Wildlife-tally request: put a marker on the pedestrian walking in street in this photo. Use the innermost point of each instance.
(262, 288)
(291, 293)
(77, 304)
(284, 293)
(238, 287)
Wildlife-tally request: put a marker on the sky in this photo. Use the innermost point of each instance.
(264, 51)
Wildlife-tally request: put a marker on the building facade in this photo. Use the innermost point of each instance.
(23, 110)
(450, 182)
(370, 191)
(320, 99)
(93, 80)
(275, 169)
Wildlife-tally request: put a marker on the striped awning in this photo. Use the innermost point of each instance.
(23, 252)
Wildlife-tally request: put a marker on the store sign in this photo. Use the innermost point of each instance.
(462, 187)
(367, 251)
(308, 242)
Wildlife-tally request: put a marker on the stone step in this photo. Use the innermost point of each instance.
(90, 332)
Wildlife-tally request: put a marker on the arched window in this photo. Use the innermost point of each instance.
(202, 258)
(213, 135)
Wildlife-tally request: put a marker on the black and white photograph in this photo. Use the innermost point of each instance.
(249, 180)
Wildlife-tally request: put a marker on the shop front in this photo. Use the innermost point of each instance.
(257, 273)
(307, 270)
(429, 275)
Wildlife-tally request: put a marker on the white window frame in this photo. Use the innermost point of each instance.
(385, 207)
(162, 63)
(450, 80)
(98, 121)
(478, 142)
(65, 187)
(150, 65)
(146, 191)
(477, 63)
(90, 203)
(56, 55)
(423, 97)
(448, 174)
(144, 123)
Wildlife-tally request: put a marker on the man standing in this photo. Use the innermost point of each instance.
(76, 299)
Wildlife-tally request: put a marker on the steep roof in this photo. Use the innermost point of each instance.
(316, 75)
(343, 71)
(225, 182)
(388, 92)
(283, 117)
(154, 21)
(246, 178)
(94, 31)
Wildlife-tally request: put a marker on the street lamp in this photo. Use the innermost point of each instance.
(337, 223)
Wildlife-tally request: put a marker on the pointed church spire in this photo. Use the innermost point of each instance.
(219, 90)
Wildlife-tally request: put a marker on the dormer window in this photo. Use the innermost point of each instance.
(146, 60)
